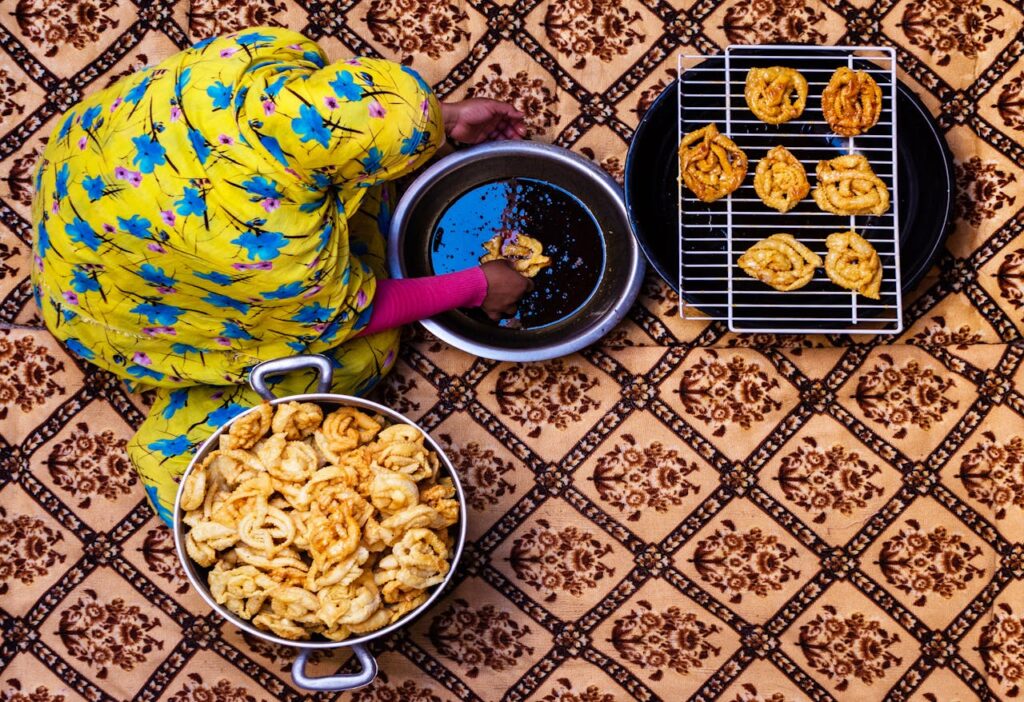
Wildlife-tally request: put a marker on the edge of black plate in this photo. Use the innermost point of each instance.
(910, 278)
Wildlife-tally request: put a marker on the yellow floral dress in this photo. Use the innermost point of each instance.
(223, 208)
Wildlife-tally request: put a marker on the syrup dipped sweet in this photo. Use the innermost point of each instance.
(570, 236)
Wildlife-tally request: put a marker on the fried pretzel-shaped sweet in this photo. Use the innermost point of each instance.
(422, 559)
(440, 497)
(392, 492)
(242, 589)
(852, 102)
(710, 164)
(282, 626)
(343, 571)
(298, 463)
(853, 263)
(344, 430)
(247, 430)
(205, 539)
(848, 186)
(775, 94)
(296, 420)
(781, 262)
(780, 180)
(352, 603)
(270, 534)
(525, 253)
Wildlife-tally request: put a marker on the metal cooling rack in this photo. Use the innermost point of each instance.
(713, 236)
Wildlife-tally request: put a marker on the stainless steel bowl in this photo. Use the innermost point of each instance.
(437, 187)
(329, 401)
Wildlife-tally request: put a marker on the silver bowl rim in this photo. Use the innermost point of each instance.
(345, 401)
(590, 334)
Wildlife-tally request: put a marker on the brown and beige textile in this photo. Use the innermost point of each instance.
(678, 512)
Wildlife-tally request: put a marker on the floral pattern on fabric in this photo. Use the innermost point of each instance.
(193, 218)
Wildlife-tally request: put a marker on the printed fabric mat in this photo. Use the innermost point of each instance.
(676, 513)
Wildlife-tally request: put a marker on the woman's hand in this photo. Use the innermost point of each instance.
(477, 120)
(505, 287)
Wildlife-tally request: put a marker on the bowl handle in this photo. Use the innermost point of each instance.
(258, 375)
(336, 683)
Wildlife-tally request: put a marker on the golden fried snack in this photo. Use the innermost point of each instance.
(525, 253)
(441, 498)
(422, 559)
(248, 429)
(848, 186)
(852, 102)
(781, 262)
(269, 532)
(296, 420)
(775, 94)
(392, 492)
(343, 571)
(780, 180)
(710, 164)
(241, 589)
(298, 463)
(295, 514)
(853, 263)
(351, 603)
(193, 492)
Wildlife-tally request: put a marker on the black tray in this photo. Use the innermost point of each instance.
(926, 195)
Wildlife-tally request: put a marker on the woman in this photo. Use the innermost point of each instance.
(227, 207)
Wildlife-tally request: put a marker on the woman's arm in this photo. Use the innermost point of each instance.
(495, 287)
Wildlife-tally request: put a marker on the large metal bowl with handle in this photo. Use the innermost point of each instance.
(328, 402)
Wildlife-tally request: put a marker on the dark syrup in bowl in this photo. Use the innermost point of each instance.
(570, 235)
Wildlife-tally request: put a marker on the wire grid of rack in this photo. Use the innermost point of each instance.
(713, 236)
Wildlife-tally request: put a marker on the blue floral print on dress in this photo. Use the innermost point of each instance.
(149, 153)
(261, 246)
(220, 94)
(135, 225)
(309, 125)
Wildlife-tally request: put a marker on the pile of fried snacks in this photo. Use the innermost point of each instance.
(333, 525)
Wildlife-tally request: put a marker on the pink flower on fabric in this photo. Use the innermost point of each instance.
(115, 104)
(269, 107)
(164, 290)
(153, 246)
(353, 62)
(175, 113)
(121, 173)
(226, 140)
(313, 291)
(39, 262)
(223, 341)
(109, 228)
(70, 297)
(228, 53)
(270, 204)
(319, 328)
(142, 359)
(154, 331)
(425, 107)
(261, 266)
(82, 143)
(168, 217)
(360, 299)
(331, 102)
(389, 359)
(296, 47)
(377, 110)
(55, 207)
(135, 178)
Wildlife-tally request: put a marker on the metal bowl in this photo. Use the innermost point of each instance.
(329, 402)
(451, 177)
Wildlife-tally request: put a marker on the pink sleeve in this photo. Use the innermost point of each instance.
(400, 302)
